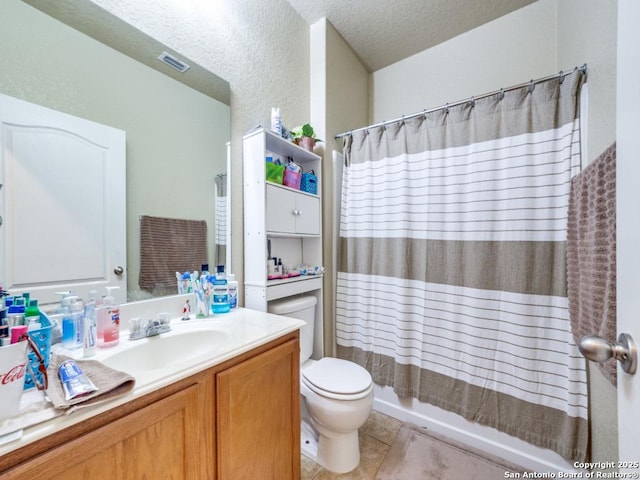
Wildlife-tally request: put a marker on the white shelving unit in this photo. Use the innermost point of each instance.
(290, 220)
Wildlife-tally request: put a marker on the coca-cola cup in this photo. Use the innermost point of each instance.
(13, 365)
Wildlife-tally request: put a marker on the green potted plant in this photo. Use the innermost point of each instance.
(304, 136)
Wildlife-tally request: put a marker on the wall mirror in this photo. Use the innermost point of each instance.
(73, 56)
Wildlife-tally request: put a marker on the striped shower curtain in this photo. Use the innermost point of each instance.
(452, 280)
(221, 220)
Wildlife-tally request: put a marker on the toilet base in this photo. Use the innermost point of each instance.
(309, 442)
(339, 454)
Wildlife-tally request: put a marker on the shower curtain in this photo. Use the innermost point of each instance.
(452, 280)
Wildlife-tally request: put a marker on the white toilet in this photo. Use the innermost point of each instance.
(337, 395)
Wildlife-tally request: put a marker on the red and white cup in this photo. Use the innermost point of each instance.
(13, 366)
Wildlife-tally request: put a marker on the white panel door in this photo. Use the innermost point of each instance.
(62, 203)
(628, 220)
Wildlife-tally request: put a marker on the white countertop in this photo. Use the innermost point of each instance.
(240, 331)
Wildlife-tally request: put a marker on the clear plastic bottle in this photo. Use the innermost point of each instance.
(90, 327)
(69, 326)
(232, 291)
(108, 321)
(276, 121)
(77, 313)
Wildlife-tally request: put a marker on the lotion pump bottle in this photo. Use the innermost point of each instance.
(108, 321)
(69, 324)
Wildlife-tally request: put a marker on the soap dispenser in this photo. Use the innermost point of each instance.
(70, 333)
(108, 321)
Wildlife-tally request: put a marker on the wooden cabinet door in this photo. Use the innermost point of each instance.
(161, 440)
(258, 417)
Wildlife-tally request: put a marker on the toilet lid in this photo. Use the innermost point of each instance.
(336, 376)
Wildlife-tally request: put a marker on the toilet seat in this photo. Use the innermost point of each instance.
(337, 379)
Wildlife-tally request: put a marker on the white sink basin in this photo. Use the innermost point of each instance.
(167, 351)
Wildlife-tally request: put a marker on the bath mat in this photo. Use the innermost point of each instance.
(419, 453)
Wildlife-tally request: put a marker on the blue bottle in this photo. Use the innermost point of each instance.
(70, 334)
(220, 303)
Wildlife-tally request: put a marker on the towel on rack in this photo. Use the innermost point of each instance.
(591, 252)
(167, 246)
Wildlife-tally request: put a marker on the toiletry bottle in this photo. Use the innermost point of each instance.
(109, 321)
(77, 313)
(32, 315)
(232, 290)
(90, 334)
(220, 302)
(4, 324)
(15, 313)
(69, 334)
(276, 121)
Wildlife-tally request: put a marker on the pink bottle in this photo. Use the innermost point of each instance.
(108, 317)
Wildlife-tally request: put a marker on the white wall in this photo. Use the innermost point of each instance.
(587, 34)
(339, 102)
(510, 50)
(535, 41)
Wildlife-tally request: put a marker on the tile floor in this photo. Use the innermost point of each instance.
(376, 437)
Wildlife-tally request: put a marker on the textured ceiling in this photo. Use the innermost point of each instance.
(384, 32)
(93, 20)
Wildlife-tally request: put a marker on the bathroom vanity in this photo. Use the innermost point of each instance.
(234, 416)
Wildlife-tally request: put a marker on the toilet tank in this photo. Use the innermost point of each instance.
(303, 308)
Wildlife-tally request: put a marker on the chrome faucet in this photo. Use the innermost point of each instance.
(148, 328)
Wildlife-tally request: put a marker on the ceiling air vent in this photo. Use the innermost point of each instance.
(173, 62)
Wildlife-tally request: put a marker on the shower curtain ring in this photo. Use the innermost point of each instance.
(501, 94)
(561, 74)
(531, 86)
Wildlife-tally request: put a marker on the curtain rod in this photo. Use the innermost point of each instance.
(502, 91)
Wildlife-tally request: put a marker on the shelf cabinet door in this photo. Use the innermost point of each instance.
(290, 212)
(258, 417)
(308, 215)
(280, 210)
